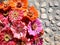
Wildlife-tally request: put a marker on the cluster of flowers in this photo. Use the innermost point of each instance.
(19, 24)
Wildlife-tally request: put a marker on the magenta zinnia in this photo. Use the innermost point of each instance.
(35, 27)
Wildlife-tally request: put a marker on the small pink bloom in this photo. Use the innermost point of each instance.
(3, 20)
(15, 15)
(18, 29)
(35, 27)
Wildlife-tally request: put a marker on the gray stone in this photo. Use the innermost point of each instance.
(37, 4)
(57, 43)
(58, 24)
(51, 4)
(54, 28)
(57, 12)
(42, 10)
(52, 43)
(47, 23)
(57, 17)
(43, 4)
(50, 10)
(57, 37)
(53, 21)
(44, 16)
(50, 17)
(58, 28)
(47, 39)
(51, 25)
(49, 31)
(56, 4)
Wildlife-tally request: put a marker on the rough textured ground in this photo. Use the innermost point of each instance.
(49, 13)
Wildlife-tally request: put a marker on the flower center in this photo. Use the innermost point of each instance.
(5, 14)
(34, 26)
(30, 14)
(20, 29)
(19, 4)
(7, 37)
(15, 14)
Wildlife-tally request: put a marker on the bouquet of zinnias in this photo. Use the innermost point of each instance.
(19, 24)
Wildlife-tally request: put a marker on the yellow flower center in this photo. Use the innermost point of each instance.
(7, 37)
(15, 15)
(19, 4)
(20, 29)
(34, 26)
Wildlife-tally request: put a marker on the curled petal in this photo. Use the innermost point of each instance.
(32, 13)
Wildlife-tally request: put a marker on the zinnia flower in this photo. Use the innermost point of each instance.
(32, 13)
(35, 27)
(6, 5)
(1, 5)
(19, 4)
(3, 21)
(15, 15)
(19, 29)
(7, 33)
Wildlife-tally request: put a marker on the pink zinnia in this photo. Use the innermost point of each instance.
(35, 27)
(3, 20)
(15, 15)
(19, 29)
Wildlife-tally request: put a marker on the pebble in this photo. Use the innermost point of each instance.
(44, 16)
(49, 31)
(57, 37)
(51, 4)
(58, 24)
(54, 28)
(57, 43)
(42, 10)
(52, 43)
(50, 10)
(57, 17)
(47, 39)
(37, 5)
(56, 4)
(50, 17)
(53, 21)
(47, 23)
(58, 28)
(57, 12)
(43, 4)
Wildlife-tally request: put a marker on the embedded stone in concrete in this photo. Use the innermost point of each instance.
(44, 16)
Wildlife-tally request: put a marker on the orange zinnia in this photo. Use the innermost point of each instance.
(32, 13)
(19, 4)
(1, 5)
(5, 5)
